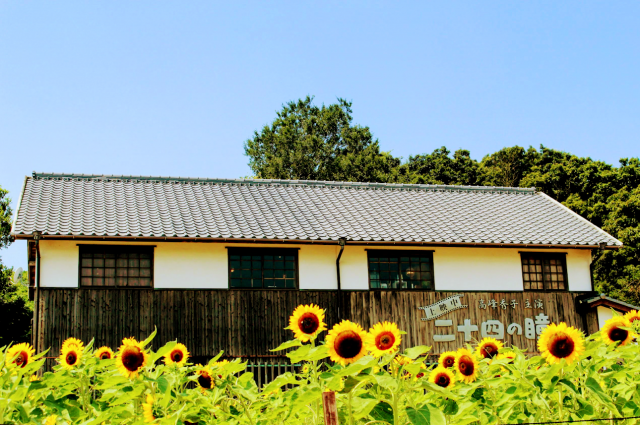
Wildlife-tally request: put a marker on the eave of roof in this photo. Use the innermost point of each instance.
(609, 302)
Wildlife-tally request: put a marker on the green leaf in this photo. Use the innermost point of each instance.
(426, 415)
(299, 354)
(150, 338)
(415, 352)
(288, 344)
(382, 412)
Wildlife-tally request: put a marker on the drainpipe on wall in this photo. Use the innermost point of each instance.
(36, 304)
(341, 242)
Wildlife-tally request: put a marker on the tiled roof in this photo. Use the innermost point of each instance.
(159, 207)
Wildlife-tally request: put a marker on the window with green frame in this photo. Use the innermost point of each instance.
(263, 268)
(401, 269)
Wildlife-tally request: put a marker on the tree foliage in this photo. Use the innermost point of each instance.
(321, 143)
(15, 307)
(307, 142)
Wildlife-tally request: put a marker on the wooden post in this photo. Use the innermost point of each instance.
(330, 408)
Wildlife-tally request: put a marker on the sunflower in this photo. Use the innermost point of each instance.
(178, 355)
(612, 332)
(205, 381)
(148, 410)
(220, 365)
(384, 338)
(559, 342)
(21, 354)
(70, 355)
(131, 358)
(632, 316)
(466, 365)
(103, 353)
(447, 359)
(442, 377)
(488, 348)
(346, 342)
(51, 420)
(72, 342)
(307, 321)
(34, 378)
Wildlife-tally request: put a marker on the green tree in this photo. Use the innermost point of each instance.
(440, 168)
(15, 307)
(508, 166)
(307, 142)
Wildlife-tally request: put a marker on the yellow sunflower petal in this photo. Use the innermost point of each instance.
(466, 365)
(384, 338)
(632, 316)
(131, 358)
(20, 355)
(442, 377)
(205, 378)
(147, 409)
(70, 356)
(611, 331)
(488, 348)
(559, 342)
(447, 359)
(346, 342)
(307, 321)
(178, 355)
(104, 353)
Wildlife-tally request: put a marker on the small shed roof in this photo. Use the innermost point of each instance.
(101, 206)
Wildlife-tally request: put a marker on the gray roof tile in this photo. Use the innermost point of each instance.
(119, 206)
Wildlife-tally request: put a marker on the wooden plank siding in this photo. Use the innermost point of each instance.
(248, 323)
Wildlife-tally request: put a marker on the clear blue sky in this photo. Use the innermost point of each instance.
(175, 88)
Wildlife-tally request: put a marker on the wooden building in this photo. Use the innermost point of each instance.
(221, 264)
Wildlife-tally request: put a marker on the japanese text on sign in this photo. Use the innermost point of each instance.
(443, 307)
(493, 329)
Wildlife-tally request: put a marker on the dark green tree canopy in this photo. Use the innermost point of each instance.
(307, 142)
(15, 307)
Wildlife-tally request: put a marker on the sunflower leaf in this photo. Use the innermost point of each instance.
(426, 415)
(415, 352)
(288, 344)
(150, 337)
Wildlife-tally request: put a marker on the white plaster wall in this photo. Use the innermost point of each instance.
(604, 314)
(469, 269)
(204, 266)
(182, 265)
(59, 264)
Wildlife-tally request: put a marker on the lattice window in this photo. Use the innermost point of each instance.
(544, 271)
(401, 270)
(263, 268)
(116, 266)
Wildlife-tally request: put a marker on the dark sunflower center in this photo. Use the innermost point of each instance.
(617, 334)
(420, 375)
(443, 380)
(348, 344)
(71, 358)
(21, 360)
(385, 340)
(489, 350)
(132, 359)
(562, 346)
(176, 356)
(449, 362)
(308, 323)
(205, 381)
(465, 366)
(105, 355)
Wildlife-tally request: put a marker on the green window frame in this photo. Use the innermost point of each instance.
(400, 269)
(116, 266)
(542, 271)
(263, 268)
